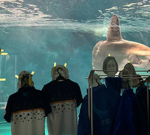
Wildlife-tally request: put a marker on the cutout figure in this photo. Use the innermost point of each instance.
(110, 66)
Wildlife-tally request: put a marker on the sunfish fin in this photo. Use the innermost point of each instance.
(113, 32)
(133, 58)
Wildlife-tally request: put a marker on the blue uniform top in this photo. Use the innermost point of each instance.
(105, 105)
(141, 96)
(129, 119)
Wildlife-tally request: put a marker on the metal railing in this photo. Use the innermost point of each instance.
(90, 94)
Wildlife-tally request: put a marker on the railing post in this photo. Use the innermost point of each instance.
(90, 99)
(148, 107)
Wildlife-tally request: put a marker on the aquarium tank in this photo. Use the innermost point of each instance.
(34, 34)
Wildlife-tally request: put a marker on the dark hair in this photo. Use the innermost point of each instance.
(106, 61)
(125, 73)
(140, 77)
(125, 82)
(130, 68)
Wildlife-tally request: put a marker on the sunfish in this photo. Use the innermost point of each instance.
(123, 50)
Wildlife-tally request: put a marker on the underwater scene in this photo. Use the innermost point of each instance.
(36, 34)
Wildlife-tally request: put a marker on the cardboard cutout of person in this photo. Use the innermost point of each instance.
(131, 73)
(110, 66)
(131, 78)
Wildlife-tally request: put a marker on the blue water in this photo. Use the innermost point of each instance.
(35, 34)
